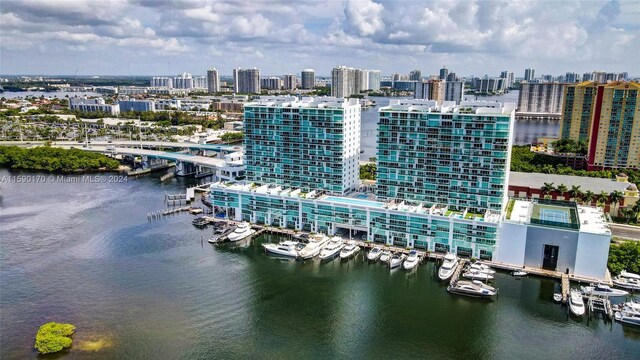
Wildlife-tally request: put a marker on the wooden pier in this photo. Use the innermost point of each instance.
(599, 305)
(565, 288)
(456, 274)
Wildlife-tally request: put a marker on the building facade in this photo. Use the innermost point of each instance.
(445, 154)
(415, 75)
(454, 91)
(271, 83)
(290, 82)
(607, 117)
(312, 143)
(246, 81)
(374, 80)
(213, 81)
(529, 74)
(431, 90)
(541, 97)
(443, 73)
(137, 105)
(308, 79)
(93, 105)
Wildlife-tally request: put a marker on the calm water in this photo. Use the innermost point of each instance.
(86, 254)
(526, 131)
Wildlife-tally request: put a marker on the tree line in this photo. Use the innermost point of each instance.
(50, 159)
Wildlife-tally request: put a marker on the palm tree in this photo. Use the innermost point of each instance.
(603, 197)
(575, 192)
(561, 190)
(615, 198)
(588, 197)
(547, 188)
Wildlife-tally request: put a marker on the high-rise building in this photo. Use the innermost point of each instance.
(213, 81)
(374, 80)
(310, 144)
(457, 156)
(431, 90)
(607, 117)
(395, 77)
(587, 76)
(246, 81)
(415, 75)
(161, 81)
(490, 85)
(200, 82)
(183, 81)
(360, 80)
(342, 81)
(443, 73)
(529, 74)
(541, 97)
(509, 77)
(599, 76)
(452, 77)
(308, 79)
(290, 82)
(454, 91)
(571, 77)
(271, 83)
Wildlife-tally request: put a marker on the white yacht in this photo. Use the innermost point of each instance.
(374, 254)
(628, 316)
(482, 268)
(242, 232)
(396, 260)
(477, 275)
(349, 250)
(603, 290)
(385, 256)
(312, 249)
(332, 249)
(576, 303)
(519, 273)
(472, 288)
(412, 260)
(627, 280)
(448, 267)
(283, 248)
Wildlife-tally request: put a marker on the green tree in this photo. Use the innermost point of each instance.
(561, 189)
(624, 256)
(575, 193)
(614, 198)
(53, 337)
(547, 188)
(588, 197)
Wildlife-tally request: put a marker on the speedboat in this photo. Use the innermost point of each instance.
(332, 249)
(349, 250)
(283, 248)
(396, 260)
(385, 256)
(312, 249)
(242, 232)
(628, 316)
(482, 268)
(448, 266)
(374, 254)
(603, 290)
(633, 305)
(477, 275)
(627, 280)
(200, 221)
(519, 273)
(472, 288)
(412, 260)
(220, 234)
(576, 303)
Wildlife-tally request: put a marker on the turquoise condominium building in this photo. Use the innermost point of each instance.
(442, 171)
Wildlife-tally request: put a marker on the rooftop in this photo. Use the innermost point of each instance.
(536, 180)
(319, 102)
(477, 107)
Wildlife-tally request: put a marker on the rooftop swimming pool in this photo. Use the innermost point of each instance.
(352, 201)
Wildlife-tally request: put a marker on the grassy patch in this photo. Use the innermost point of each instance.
(53, 337)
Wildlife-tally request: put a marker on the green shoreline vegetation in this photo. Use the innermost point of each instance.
(49, 159)
(624, 256)
(53, 337)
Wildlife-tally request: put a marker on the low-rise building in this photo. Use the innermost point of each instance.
(93, 105)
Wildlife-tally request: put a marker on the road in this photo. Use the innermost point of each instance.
(132, 143)
(625, 231)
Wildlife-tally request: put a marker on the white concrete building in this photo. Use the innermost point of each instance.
(93, 105)
(308, 79)
(213, 81)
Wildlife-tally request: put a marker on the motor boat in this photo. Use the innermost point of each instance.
(385, 256)
(477, 275)
(557, 297)
(633, 305)
(627, 280)
(448, 267)
(374, 254)
(349, 250)
(576, 303)
(603, 290)
(628, 316)
(519, 273)
(472, 288)
(283, 248)
(242, 232)
(332, 249)
(412, 260)
(201, 221)
(482, 268)
(396, 260)
(312, 249)
(220, 234)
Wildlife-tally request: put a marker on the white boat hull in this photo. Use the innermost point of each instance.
(326, 255)
(410, 264)
(240, 237)
(275, 251)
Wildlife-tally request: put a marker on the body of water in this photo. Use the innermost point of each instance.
(47, 94)
(86, 254)
(526, 131)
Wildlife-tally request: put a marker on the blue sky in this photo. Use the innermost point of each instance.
(148, 37)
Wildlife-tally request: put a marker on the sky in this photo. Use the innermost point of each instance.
(167, 37)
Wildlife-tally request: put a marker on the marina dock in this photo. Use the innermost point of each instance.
(565, 288)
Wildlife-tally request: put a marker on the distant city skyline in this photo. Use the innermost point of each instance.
(143, 37)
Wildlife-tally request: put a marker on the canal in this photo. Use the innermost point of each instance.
(84, 253)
